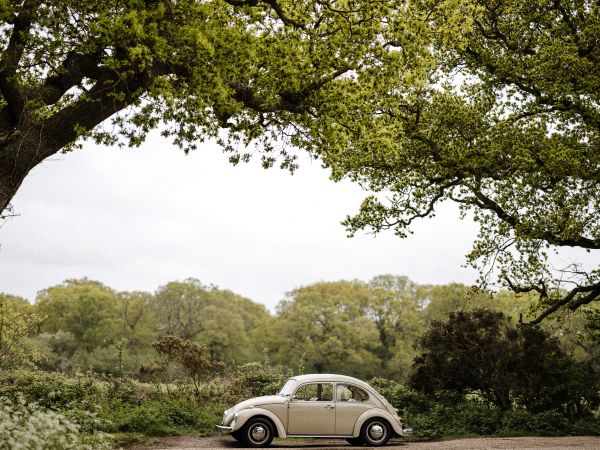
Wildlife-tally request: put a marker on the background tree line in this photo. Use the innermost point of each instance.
(361, 328)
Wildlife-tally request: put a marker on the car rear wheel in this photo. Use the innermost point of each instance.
(355, 441)
(258, 432)
(375, 432)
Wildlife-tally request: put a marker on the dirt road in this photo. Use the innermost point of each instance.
(545, 443)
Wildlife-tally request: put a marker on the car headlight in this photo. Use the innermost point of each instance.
(228, 417)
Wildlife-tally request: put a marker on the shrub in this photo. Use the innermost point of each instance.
(50, 390)
(406, 400)
(166, 417)
(548, 423)
(27, 426)
(481, 352)
(256, 379)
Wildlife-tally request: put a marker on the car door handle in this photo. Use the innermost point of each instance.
(329, 406)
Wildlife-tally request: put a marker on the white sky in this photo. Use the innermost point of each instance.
(138, 218)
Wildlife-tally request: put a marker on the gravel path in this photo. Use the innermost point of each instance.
(546, 443)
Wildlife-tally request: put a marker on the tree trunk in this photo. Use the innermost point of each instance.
(21, 149)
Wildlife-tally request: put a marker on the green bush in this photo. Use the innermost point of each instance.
(50, 390)
(406, 400)
(507, 365)
(166, 417)
(28, 426)
(586, 427)
(256, 379)
(548, 423)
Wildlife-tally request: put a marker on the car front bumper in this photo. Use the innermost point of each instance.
(224, 429)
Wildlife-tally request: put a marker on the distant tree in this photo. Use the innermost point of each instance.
(87, 309)
(234, 327)
(178, 308)
(17, 322)
(441, 300)
(224, 334)
(228, 324)
(136, 318)
(326, 326)
(396, 311)
(481, 352)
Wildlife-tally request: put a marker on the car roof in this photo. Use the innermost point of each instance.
(328, 377)
(332, 377)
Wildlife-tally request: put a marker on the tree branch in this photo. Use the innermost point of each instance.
(9, 87)
(104, 99)
(71, 73)
(593, 293)
(485, 202)
(274, 5)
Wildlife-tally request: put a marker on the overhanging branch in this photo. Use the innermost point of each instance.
(572, 300)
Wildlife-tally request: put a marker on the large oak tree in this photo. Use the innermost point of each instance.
(508, 127)
(492, 104)
(267, 71)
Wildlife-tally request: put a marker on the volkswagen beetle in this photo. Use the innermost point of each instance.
(316, 406)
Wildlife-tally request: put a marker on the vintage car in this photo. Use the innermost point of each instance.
(316, 406)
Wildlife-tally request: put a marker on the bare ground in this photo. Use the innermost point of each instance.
(546, 443)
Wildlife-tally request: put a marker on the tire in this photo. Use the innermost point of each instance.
(257, 432)
(355, 441)
(237, 435)
(375, 432)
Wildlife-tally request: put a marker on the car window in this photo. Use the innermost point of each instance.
(286, 390)
(315, 392)
(350, 393)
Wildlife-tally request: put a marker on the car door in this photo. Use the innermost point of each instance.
(311, 410)
(351, 402)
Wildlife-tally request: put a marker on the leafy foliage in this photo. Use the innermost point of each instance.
(327, 325)
(257, 379)
(275, 73)
(192, 358)
(374, 325)
(480, 352)
(25, 426)
(17, 321)
(506, 125)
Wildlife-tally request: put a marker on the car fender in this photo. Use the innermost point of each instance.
(376, 412)
(246, 414)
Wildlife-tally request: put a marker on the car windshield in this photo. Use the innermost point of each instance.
(286, 390)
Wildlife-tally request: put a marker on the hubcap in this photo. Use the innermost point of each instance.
(376, 431)
(258, 433)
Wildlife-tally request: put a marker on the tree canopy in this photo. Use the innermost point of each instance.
(276, 72)
(491, 104)
(508, 127)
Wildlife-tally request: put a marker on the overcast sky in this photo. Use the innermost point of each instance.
(138, 218)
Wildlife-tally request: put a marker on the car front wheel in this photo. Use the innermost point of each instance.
(237, 435)
(258, 432)
(375, 432)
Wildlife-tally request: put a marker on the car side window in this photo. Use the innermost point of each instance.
(350, 393)
(314, 392)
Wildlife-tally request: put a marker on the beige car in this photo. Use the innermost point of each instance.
(316, 406)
